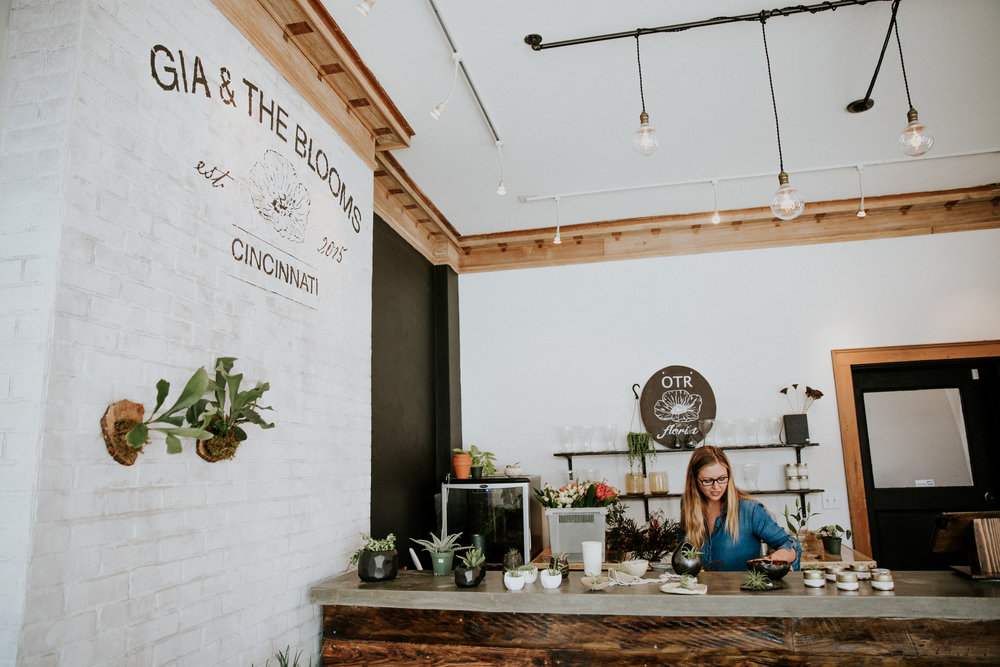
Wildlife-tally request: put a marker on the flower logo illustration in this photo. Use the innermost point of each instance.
(279, 197)
(678, 405)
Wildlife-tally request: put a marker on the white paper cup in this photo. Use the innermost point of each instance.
(592, 561)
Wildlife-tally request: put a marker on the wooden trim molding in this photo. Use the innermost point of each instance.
(843, 360)
(824, 222)
(304, 43)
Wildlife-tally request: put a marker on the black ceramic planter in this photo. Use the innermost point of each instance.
(832, 545)
(378, 565)
(512, 561)
(796, 429)
(469, 577)
(684, 565)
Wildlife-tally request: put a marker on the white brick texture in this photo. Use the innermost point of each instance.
(117, 268)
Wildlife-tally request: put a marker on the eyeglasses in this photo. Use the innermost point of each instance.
(707, 483)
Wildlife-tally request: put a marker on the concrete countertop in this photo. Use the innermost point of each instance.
(916, 595)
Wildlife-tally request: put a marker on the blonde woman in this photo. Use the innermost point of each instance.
(725, 523)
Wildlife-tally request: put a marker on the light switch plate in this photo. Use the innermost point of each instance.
(831, 501)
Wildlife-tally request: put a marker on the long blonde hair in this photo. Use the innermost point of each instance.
(693, 508)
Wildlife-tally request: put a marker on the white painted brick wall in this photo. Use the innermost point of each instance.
(121, 276)
(35, 85)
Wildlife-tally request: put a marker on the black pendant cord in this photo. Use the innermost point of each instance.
(770, 81)
(866, 102)
(638, 60)
(895, 26)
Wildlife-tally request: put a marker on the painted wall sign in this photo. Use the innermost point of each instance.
(673, 403)
(289, 201)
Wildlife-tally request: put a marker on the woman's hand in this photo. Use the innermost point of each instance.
(783, 554)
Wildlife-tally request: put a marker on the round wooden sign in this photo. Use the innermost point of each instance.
(675, 404)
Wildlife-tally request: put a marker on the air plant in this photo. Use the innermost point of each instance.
(799, 401)
(755, 581)
(687, 582)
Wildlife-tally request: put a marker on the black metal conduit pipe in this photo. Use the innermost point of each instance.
(536, 44)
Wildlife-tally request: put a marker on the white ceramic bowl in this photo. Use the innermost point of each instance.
(636, 568)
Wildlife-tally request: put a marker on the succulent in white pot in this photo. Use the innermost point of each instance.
(551, 577)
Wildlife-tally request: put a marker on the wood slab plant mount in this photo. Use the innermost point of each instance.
(118, 419)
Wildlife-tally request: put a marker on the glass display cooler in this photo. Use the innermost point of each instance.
(494, 514)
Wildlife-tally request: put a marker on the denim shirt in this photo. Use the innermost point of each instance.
(720, 552)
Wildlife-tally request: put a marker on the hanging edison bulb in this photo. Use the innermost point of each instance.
(786, 203)
(645, 141)
(915, 140)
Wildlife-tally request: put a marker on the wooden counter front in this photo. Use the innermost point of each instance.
(932, 618)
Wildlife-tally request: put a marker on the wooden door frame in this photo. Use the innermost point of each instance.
(843, 361)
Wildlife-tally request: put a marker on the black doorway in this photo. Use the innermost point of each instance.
(929, 435)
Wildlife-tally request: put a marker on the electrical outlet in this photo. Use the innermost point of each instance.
(831, 501)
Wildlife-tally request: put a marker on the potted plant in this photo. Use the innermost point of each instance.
(514, 580)
(639, 446)
(649, 542)
(560, 561)
(461, 460)
(513, 559)
(484, 461)
(798, 521)
(530, 573)
(442, 550)
(125, 432)
(551, 577)
(226, 411)
(832, 537)
(377, 560)
(686, 560)
(472, 571)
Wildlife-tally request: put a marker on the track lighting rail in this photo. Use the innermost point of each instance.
(536, 44)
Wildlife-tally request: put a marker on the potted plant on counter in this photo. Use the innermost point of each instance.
(798, 521)
(513, 559)
(442, 550)
(686, 560)
(461, 460)
(377, 560)
(832, 537)
(483, 463)
(226, 411)
(551, 577)
(472, 571)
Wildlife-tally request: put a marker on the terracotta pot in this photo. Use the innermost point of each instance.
(462, 464)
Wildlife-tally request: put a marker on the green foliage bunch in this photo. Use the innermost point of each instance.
(371, 544)
(229, 408)
(651, 541)
(173, 417)
(442, 544)
(472, 558)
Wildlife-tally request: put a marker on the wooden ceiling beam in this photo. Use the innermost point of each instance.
(826, 222)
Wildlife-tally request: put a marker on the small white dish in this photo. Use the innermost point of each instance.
(602, 582)
(675, 587)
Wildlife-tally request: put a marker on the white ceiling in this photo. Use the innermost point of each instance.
(566, 115)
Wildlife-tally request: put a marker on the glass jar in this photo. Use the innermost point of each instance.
(793, 483)
(658, 483)
(832, 571)
(635, 484)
